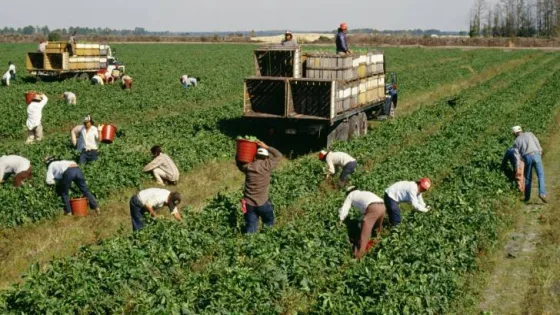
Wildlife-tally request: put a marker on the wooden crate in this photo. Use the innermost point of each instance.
(311, 97)
(277, 62)
(35, 61)
(265, 96)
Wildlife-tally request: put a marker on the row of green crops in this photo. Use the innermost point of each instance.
(304, 263)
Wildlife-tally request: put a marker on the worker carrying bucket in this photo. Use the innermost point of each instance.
(339, 160)
(87, 141)
(34, 117)
(406, 191)
(255, 202)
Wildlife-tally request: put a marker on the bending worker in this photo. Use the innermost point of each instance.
(342, 40)
(16, 165)
(34, 117)
(69, 98)
(7, 77)
(126, 82)
(530, 149)
(151, 199)
(373, 212)
(98, 79)
(255, 202)
(187, 81)
(405, 191)
(63, 173)
(87, 141)
(12, 70)
(514, 158)
(162, 167)
(341, 160)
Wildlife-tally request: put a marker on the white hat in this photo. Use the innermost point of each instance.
(87, 118)
(516, 129)
(262, 151)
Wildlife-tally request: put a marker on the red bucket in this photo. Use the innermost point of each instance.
(108, 133)
(79, 207)
(29, 97)
(246, 150)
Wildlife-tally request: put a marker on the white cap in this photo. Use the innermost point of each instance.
(262, 151)
(516, 129)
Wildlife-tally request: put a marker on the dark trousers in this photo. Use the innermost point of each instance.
(74, 174)
(137, 211)
(393, 209)
(87, 156)
(266, 212)
(347, 170)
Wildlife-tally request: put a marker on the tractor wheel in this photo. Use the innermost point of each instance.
(364, 124)
(354, 126)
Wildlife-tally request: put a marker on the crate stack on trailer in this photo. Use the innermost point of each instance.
(56, 58)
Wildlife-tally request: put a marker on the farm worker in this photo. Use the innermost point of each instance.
(187, 81)
(530, 149)
(289, 40)
(126, 82)
(512, 156)
(7, 77)
(373, 212)
(148, 200)
(342, 41)
(12, 70)
(69, 97)
(392, 99)
(87, 141)
(34, 116)
(405, 191)
(42, 46)
(162, 167)
(255, 202)
(17, 165)
(62, 174)
(340, 160)
(71, 45)
(98, 79)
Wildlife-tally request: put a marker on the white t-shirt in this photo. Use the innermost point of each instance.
(407, 191)
(12, 67)
(97, 79)
(358, 199)
(6, 77)
(35, 113)
(337, 159)
(13, 164)
(69, 96)
(184, 78)
(88, 138)
(155, 198)
(56, 170)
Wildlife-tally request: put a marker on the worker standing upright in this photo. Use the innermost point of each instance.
(405, 191)
(255, 202)
(63, 174)
(151, 199)
(513, 156)
(163, 167)
(71, 45)
(531, 151)
(16, 165)
(87, 141)
(289, 40)
(42, 48)
(69, 98)
(339, 160)
(373, 212)
(34, 116)
(342, 40)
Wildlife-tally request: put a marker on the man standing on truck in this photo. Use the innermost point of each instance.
(42, 48)
(405, 191)
(71, 46)
(163, 167)
(34, 116)
(530, 149)
(255, 202)
(514, 158)
(289, 40)
(342, 40)
(87, 142)
(16, 165)
(339, 160)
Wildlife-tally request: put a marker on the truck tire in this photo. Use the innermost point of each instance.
(354, 126)
(338, 132)
(364, 124)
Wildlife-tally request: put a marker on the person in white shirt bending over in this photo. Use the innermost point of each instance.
(34, 116)
(148, 200)
(69, 98)
(87, 141)
(63, 174)
(373, 212)
(187, 81)
(405, 192)
(12, 70)
(16, 165)
(339, 160)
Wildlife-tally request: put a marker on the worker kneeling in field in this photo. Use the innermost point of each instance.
(63, 174)
(148, 200)
(341, 160)
(512, 156)
(405, 191)
(87, 141)
(14, 165)
(373, 212)
(187, 81)
(163, 167)
(34, 117)
(255, 202)
(126, 82)
(69, 98)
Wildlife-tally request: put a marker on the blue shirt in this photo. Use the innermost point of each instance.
(341, 42)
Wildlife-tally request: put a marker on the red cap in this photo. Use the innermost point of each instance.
(343, 26)
(322, 155)
(425, 183)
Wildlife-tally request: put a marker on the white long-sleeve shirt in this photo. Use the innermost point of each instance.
(35, 113)
(6, 77)
(56, 169)
(359, 199)
(13, 164)
(155, 198)
(88, 138)
(337, 159)
(70, 97)
(407, 191)
(12, 67)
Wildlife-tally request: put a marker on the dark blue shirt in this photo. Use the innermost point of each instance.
(341, 42)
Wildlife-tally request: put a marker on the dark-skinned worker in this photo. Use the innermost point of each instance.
(151, 199)
(373, 212)
(87, 141)
(342, 40)
(63, 174)
(289, 40)
(531, 151)
(255, 202)
(339, 160)
(514, 158)
(405, 191)
(15, 165)
(163, 167)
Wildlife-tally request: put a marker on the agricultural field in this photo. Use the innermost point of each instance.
(303, 264)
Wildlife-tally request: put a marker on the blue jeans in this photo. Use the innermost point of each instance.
(74, 174)
(266, 212)
(137, 213)
(394, 210)
(533, 161)
(87, 156)
(347, 170)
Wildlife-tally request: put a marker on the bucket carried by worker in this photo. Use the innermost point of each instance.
(108, 133)
(79, 207)
(29, 96)
(246, 149)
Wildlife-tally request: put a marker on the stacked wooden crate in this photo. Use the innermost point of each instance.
(87, 56)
